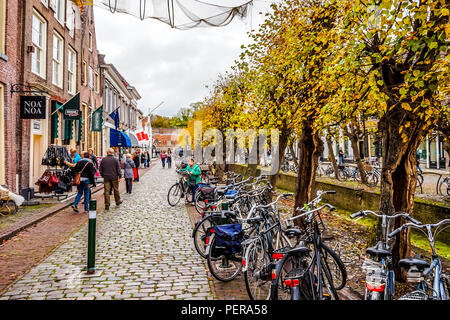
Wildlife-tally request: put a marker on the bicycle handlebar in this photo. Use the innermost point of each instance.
(364, 213)
(417, 226)
(317, 199)
(332, 208)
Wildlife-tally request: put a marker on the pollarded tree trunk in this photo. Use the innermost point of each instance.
(311, 147)
(398, 181)
(283, 140)
(332, 157)
(294, 157)
(354, 139)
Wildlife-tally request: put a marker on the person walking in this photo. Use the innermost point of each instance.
(341, 157)
(128, 167)
(194, 178)
(137, 163)
(87, 177)
(111, 173)
(169, 158)
(143, 159)
(147, 156)
(93, 158)
(163, 158)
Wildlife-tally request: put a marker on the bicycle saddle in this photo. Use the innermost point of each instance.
(379, 251)
(419, 263)
(293, 232)
(299, 251)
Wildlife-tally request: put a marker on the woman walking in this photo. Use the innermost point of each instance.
(137, 162)
(87, 177)
(169, 158)
(163, 158)
(128, 167)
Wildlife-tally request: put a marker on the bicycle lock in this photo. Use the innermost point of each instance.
(91, 236)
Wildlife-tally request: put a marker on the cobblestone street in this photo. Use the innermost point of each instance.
(144, 251)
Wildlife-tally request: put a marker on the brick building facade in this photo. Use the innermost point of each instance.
(10, 66)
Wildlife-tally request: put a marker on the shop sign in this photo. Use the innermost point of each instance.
(32, 107)
(72, 108)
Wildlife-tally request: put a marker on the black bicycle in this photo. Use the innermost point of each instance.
(179, 190)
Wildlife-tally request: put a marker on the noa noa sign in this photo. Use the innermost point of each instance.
(33, 107)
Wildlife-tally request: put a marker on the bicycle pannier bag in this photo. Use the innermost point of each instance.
(228, 238)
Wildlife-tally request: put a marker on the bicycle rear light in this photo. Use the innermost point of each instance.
(244, 262)
(292, 282)
(377, 287)
(277, 256)
(207, 240)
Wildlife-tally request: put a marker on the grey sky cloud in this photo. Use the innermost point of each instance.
(171, 65)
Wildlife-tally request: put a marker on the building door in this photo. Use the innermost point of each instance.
(37, 153)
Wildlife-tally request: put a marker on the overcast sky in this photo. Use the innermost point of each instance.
(171, 65)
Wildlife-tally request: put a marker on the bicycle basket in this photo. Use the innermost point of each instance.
(229, 238)
(207, 193)
(415, 295)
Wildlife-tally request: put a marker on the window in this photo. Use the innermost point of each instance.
(91, 78)
(72, 70)
(90, 41)
(84, 75)
(39, 39)
(57, 62)
(97, 82)
(70, 19)
(2, 25)
(59, 10)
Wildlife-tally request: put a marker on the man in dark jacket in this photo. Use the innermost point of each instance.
(111, 173)
(86, 167)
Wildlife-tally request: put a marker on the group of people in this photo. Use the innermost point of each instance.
(110, 169)
(166, 157)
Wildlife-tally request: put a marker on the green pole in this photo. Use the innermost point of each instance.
(91, 236)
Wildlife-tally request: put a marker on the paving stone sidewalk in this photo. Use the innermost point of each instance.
(144, 251)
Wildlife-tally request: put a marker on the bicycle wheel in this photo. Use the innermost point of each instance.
(444, 187)
(12, 206)
(327, 282)
(222, 266)
(199, 235)
(257, 276)
(5, 210)
(174, 195)
(278, 289)
(335, 265)
(199, 202)
(371, 179)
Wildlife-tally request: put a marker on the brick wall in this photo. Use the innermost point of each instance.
(10, 66)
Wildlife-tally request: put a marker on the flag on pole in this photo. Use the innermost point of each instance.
(115, 116)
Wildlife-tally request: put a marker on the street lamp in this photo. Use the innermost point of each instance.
(150, 113)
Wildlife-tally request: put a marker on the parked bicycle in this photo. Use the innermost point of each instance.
(432, 284)
(311, 270)
(380, 277)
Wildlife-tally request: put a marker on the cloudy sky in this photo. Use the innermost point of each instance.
(171, 65)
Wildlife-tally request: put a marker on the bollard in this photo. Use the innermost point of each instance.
(91, 236)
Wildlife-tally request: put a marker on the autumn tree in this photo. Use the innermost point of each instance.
(401, 49)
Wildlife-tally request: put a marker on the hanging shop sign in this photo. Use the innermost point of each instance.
(71, 108)
(32, 107)
(97, 120)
